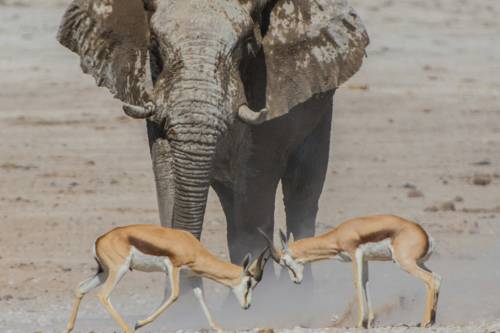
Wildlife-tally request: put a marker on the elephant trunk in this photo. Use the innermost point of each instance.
(182, 164)
(197, 104)
(193, 134)
(192, 169)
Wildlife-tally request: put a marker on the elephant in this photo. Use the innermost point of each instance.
(236, 94)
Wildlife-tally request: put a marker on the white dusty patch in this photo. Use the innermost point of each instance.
(288, 8)
(102, 9)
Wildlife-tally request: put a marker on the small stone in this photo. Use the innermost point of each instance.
(415, 194)
(409, 186)
(266, 330)
(431, 209)
(481, 179)
(448, 206)
(458, 199)
(482, 163)
(473, 230)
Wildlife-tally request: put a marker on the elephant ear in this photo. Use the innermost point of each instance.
(112, 39)
(311, 47)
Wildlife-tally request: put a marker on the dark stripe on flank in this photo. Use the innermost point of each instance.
(99, 266)
(147, 248)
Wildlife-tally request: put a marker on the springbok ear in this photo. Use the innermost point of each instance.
(310, 47)
(291, 238)
(112, 39)
(284, 240)
(246, 262)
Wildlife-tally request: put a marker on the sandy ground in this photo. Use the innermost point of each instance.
(416, 133)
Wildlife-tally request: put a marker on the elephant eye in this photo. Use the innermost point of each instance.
(149, 5)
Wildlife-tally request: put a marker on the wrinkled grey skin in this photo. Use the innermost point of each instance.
(187, 66)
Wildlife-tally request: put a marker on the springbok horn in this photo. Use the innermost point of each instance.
(246, 262)
(284, 240)
(139, 112)
(260, 265)
(252, 117)
(274, 252)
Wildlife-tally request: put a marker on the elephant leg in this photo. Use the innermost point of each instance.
(246, 211)
(252, 209)
(230, 306)
(303, 183)
(303, 180)
(226, 198)
(243, 223)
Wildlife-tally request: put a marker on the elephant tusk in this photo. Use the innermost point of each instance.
(252, 117)
(139, 112)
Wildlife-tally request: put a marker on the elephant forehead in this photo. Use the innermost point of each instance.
(180, 20)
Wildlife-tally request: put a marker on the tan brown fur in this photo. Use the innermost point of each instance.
(408, 243)
(180, 246)
(409, 238)
(154, 248)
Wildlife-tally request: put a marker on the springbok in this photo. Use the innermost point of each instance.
(377, 238)
(151, 248)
